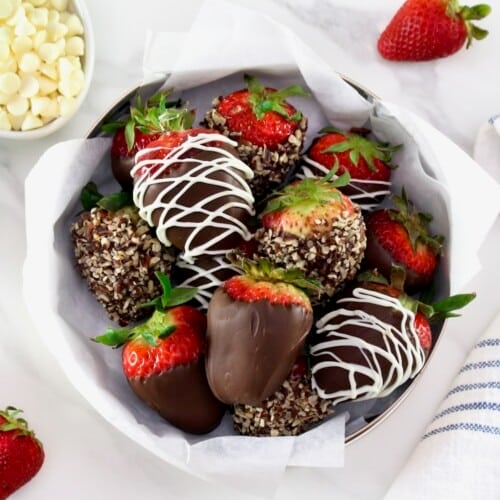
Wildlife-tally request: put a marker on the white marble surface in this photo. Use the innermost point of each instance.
(86, 456)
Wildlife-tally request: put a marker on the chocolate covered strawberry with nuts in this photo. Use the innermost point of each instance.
(293, 409)
(257, 324)
(145, 123)
(368, 162)
(374, 339)
(400, 236)
(163, 361)
(311, 225)
(270, 132)
(21, 453)
(117, 255)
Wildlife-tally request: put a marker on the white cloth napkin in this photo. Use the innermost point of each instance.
(459, 454)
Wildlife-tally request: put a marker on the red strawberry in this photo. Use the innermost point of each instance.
(269, 131)
(401, 237)
(428, 29)
(163, 362)
(256, 326)
(311, 225)
(146, 122)
(21, 453)
(374, 339)
(367, 161)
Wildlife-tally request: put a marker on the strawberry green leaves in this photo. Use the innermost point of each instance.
(90, 198)
(264, 100)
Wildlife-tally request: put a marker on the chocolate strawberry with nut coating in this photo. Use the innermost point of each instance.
(312, 226)
(163, 361)
(257, 326)
(117, 254)
(270, 132)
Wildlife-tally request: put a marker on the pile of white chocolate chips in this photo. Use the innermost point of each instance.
(41, 49)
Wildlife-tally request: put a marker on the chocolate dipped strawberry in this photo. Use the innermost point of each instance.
(257, 324)
(145, 123)
(270, 132)
(311, 225)
(367, 161)
(373, 340)
(401, 236)
(117, 254)
(193, 188)
(163, 361)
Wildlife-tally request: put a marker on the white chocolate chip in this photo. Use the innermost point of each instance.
(75, 46)
(16, 121)
(24, 28)
(29, 86)
(4, 51)
(18, 105)
(47, 86)
(39, 17)
(4, 98)
(18, 17)
(38, 3)
(66, 105)
(60, 5)
(52, 110)
(4, 120)
(6, 9)
(31, 122)
(72, 85)
(38, 38)
(49, 52)
(54, 16)
(21, 44)
(75, 26)
(6, 34)
(49, 70)
(8, 66)
(9, 83)
(29, 62)
(56, 31)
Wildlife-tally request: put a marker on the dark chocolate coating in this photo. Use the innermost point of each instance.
(252, 346)
(336, 379)
(121, 167)
(377, 257)
(182, 397)
(178, 235)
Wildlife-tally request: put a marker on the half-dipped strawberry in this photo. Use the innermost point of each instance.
(193, 188)
(145, 123)
(373, 340)
(269, 131)
(401, 236)
(257, 325)
(312, 226)
(367, 161)
(163, 361)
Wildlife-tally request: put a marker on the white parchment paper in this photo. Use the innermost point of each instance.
(207, 62)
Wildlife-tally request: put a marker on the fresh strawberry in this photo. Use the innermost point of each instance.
(401, 236)
(422, 30)
(367, 161)
(162, 360)
(21, 453)
(269, 131)
(374, 338)
(256, 326)
(145, 123)
(311, 225)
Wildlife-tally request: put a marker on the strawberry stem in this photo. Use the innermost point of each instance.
(12, 422)
(263, 99)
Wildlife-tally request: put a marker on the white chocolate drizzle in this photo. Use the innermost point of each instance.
(401, 348)
(197, 176)
(209, 277)
(356, 184)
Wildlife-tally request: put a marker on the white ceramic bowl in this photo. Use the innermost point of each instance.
(78, 7)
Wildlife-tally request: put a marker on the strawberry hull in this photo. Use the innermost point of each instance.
(251, 347)
(182, 397)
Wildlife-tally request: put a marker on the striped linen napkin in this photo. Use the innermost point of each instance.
(459, 455)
